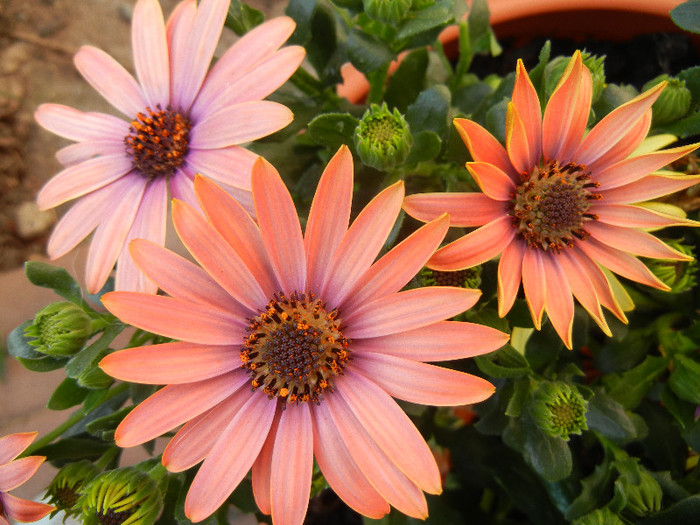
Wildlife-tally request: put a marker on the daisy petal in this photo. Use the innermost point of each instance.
(110, 79)
(476, 247)
(292, 463)
(625, 146)
(395, 269)
(558, 300)
(23, 510)
(222, 471)
(80, 126)
(484, 147)
(600, 284)
(492, 181)
(173, 405)
(521, 154)
(16, 472)
(633, 241)
(341, 471)
(182, 188)
(509, 275)
(151, 52)
(408, 310)
(465, 209)
(637, 217)
(328, 218)
(231, 165)
(443, 341)
(279, 224)
(262, 470)
(82, 151)
(177, 31)
(534, 284)
(12, 445)
(422, 383)
(176, 318)
(650, 187)
(254, 119)
(171, 363)
(527, 105)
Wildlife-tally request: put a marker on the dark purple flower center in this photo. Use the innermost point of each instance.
(550, 205)
(294, 349)
(158, 141)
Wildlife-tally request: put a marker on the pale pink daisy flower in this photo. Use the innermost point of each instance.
(13, 473)
(292, 347)
(559, 203)
(181, 119)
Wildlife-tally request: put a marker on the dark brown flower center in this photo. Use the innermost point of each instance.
(158, 141)
(112, 517)
(550, 205)
(295, 348)
(66, 497)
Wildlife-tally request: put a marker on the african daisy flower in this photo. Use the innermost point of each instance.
(180, 121)
(559, 203)
(292, 346)
(14, 472)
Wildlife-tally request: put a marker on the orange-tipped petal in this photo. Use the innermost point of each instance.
(637, 217)
(16, 472)
(510, 269)
(262, 470)
(534, 284)
(520, 152)
(527, 105)
(600, 284)
(634, 241)
(492, 181)
(558, 300)
(484, 147)
(624, 147)
(23, 510)
(650, 187)
(465, 209)
(12, 445)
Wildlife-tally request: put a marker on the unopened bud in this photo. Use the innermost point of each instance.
(673, 102)
(64, 490)
(559, 409)
(382, 138)
(60, 329)
(677, 275)
(388, 11)
(602, 516)
(643, 494)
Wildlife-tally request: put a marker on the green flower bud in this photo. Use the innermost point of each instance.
(388, 11)
(685, 378)
(555, 68)
(60, 329)
(643, 493)
(559, 409)
(678, 275)
(64, 490)
(673, 102)
(382, 139)
(126, 496)
(467, 278)
(602, 516)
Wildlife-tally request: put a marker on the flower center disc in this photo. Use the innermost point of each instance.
(550, 206)
(112, 517)
(294, 349)
(158, 141)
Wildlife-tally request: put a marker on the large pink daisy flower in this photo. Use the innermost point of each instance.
(181, 120)
(559, 203)
(14, 472)
(292, 347)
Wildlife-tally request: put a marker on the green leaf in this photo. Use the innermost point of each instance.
(684, 512)
(496, 119)
(407, 81)
(74, 449)
(426, 146)
(522, 390)
(429, 111)
(549, 456)
(687, 16)
(685, 378)
(436, 15)
(301, 11)
(663, 444)
(18, 347)
(54, 277)
(685, 127)
(91, 355)
(332, 130)
(630, 387)
(66, 395)
(367, 53)
(691, 77)
(241, 17)
(608, 417)
(595, 491)
(98, 426)
(506, 362)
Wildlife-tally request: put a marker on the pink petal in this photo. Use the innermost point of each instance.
(108, 239)
(465, 209)
(292, 463)
(12, 445)
(240, 123)
(582, 288)
(625, 146)
(328, 218)
(191, 63)
(534, 284)
(149, 223)
(217, 257)
(492, 181)
(522, 155)
(262, 469)
(173, 405)
(477, 247)
(110, 79)
(16, 472)
(172, 363)
(422, 383)
(80, 126)
(151, 52)
(633, 241)
(634, 168)
(636, 217)
(395, 269)
(177, 33)
(612, 128)
(195, 439)
(182, 188)
(391, 429)
(80, 179)
(509, 275)
(279, 224)
(341, 471)
(408, 310)
(600, 284)
(620, 262)
(649, 187)
(527, 105)
(176, 318)
(82, 151)
(182, 279)
(234, 224)
(362, 243)
(386, 478)
(566, 114)
(484, 147)
(23, 510)
(223, 470)
(232, 165)
(443, 341)
(558, 300)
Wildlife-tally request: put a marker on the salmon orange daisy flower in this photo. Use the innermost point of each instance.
(291, 346)
(13, 473)
(181, 120)
(559, 203)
